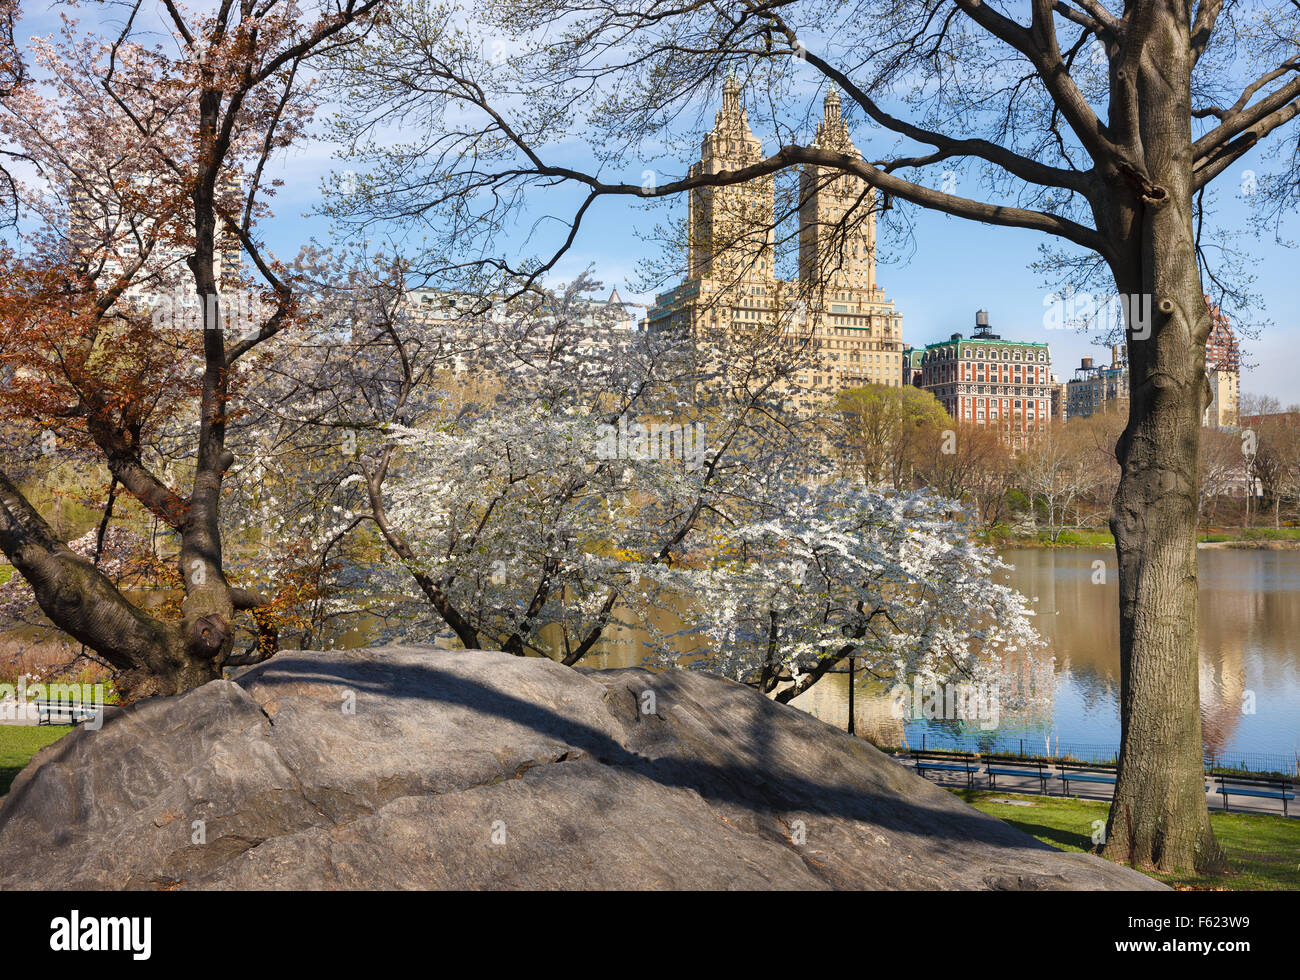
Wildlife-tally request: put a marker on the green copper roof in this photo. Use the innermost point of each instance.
(986, 342)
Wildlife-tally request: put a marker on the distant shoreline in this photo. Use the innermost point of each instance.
(1288, 539)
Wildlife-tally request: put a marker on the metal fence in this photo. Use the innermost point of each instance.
(1264, 762)
(1061, 748)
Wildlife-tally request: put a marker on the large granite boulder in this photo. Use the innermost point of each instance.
(415, 767)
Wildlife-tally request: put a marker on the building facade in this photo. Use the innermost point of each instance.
(1223, 369)
(986, 380)
(1060, 396)
(835, 313)
(109, 235)
(462, 323)
(1097, 387)
(913, 358)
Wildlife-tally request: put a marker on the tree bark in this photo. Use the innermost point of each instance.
(1159, 818)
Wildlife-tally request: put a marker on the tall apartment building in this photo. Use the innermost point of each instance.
(463, 323)
(1223, 368)
(109, 230)
(986, 380)
(835, 311)
(108, 233)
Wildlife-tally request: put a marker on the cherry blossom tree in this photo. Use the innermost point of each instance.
(839, 571)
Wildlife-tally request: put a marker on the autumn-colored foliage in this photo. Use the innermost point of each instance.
(133, 287)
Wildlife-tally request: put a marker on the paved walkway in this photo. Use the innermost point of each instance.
(1031, 786)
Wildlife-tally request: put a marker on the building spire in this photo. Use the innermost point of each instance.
(832, 131)
(731, 93)
(831, 106)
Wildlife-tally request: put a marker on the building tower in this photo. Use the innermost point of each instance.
(730, 229)
(834, 313)
(835, 252)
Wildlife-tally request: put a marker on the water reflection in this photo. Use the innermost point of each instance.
(1250, 658)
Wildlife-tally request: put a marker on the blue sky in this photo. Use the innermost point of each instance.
(956, 267)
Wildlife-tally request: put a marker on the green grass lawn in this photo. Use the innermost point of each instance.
(1263, 850)
(18, 743)
(1248, 534)
(1081, 539)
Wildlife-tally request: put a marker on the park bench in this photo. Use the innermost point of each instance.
(947, 762)
(1267, 787)
(1084, 772)
(47, 711)
(1010, 765)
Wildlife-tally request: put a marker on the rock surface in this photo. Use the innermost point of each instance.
(413, 767)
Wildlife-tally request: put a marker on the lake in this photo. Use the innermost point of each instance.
(1250, 662)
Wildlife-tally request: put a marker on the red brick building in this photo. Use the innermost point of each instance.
(990, 381)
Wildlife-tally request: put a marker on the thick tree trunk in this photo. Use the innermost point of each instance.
(1159, 817)
(179, 671)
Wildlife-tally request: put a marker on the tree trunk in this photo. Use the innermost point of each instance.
(1159, 817)
(150, 657)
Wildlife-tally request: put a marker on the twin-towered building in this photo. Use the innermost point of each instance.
(835, 313)
(852, 335)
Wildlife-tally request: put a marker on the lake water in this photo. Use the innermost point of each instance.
(1250, 662)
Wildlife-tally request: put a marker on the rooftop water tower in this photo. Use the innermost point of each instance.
(982, 326)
